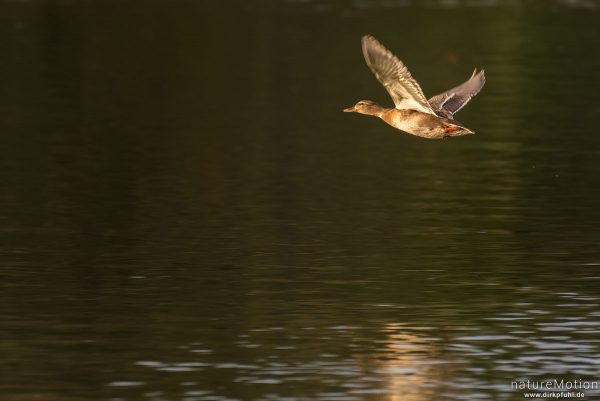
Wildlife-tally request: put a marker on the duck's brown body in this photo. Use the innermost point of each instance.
(423, 124)
(411, 121)
(413, 113)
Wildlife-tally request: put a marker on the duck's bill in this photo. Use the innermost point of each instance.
(349, 109)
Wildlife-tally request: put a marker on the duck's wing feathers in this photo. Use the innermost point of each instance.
(394, 76)
(451, 101)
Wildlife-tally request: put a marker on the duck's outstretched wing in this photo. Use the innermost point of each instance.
(451, 101)
(394, 76)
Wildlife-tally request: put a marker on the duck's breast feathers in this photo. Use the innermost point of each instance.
(450, 102)
(395, 77)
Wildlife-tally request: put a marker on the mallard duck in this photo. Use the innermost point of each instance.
(414, 114)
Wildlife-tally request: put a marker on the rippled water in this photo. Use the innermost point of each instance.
(186, 214)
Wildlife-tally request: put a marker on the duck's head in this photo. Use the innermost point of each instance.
(366, 107)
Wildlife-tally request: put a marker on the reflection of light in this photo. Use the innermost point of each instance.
(408, 364)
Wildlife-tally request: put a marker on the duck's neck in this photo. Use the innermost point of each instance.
(374, 110)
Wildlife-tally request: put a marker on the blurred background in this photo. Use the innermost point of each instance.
(186, 213)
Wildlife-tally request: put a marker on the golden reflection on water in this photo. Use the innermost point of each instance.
(408, 363)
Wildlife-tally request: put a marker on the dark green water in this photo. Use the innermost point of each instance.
(186, 214)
